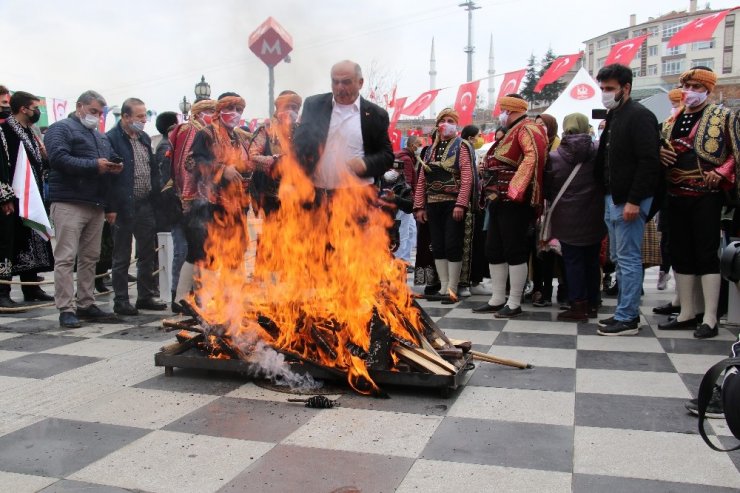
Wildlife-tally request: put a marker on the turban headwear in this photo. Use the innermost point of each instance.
(707, 78)
(675, 95)
(513, 105)
(203, 105)
(448, 112)
(228, 101)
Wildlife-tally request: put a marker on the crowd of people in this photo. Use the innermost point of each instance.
(535, 207)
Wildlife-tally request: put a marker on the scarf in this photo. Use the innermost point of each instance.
(31, 145)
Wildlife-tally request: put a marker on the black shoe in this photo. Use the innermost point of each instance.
(151, 304)
(131, 278)
(674, 324)
(507, 312)
(667, 309)
(124, 308)
(36, 294)
(432, 289)
(93, 312)
(69, 320)
(620, 328)
(100, 286)
(486, 308)
(714, 407)
(7, 302)
(706, 332)
(607, 322)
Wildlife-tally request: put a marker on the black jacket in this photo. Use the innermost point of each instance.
(629, 150)
(310, 136)
(123, 183)
(73, 152)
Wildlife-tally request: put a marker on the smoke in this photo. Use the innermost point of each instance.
(271, 365)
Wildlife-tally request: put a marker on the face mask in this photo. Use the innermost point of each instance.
(447, 130)
(4, 111)
(478, 142)
(694, 98)
(609, 99)
(391, 175)
(207, 118)
(503, 118)
(289, 116)
(90, 121)
(34, 118)
(138, 126)
(674, 111)
(230, 118)
(418, 151)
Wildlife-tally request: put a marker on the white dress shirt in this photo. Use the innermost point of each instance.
(343, 142)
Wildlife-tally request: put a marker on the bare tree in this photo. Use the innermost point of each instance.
(380, 83)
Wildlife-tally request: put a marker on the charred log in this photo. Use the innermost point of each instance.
(379, 353)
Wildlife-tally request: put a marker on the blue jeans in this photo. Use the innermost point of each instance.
(180, 247)
(407, 232)
(625, 250)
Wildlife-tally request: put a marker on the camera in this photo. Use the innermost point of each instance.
(598, 114)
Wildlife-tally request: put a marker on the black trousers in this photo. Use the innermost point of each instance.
(582, 272)
(140, 226)
(694, 228)
(479, 267)
(446, 233)
(508, 239)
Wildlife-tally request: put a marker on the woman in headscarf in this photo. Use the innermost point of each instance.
(577, 219)
(443, 198)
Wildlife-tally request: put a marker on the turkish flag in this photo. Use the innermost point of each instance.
(398, 107)
(421, 103)
(557, 69)
(392, 102)
(465, 102)
(395, 135)
(624, 51)
(510, 84)
(698, 29)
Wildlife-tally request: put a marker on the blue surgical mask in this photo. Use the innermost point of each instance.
(138, 126)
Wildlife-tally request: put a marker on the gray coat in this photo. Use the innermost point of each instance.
(578, 218)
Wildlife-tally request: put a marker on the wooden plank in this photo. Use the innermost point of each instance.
(435, 359)
(500, 361)
(419, 361)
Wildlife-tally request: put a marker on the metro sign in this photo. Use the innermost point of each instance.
(270, 42)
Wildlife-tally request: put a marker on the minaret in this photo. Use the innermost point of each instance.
(432, 80)
(491, 73)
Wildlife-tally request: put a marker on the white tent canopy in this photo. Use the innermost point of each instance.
(581, 96)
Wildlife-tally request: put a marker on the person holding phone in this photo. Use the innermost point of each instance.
(79, 192)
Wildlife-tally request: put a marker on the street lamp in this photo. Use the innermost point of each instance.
(185, 108)
(202, 89)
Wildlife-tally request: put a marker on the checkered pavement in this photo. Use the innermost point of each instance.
(86, 409)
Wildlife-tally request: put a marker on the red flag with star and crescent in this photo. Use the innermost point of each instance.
(557, 69)
(510, 84)
(465, 102)
(624, 51)
(421, 103)
(698, 30)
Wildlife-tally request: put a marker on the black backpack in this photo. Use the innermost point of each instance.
(730, 398)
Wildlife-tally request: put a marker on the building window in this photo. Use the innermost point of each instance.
(673, 67)
(600, 62)
(671, 28)
(602, 43)
(703, 45)
(676, 50)
(727, 62)
(636, 72)
(653, 50)
(652, 70)
(620, 37)
(653, 31)
(703, 62)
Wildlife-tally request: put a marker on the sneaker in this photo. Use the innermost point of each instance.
(714, 407)
(464, 292)
(528, 287)
(620, 328)
(69, 320)
(663, 278)
(480, 289)
(541, 303)
(92, 312)
(606, 322)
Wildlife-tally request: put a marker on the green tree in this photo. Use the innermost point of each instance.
(551, 91)
(530, 80)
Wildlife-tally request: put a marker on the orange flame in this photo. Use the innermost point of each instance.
(319, 273)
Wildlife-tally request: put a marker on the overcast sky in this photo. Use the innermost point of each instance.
(157, 49)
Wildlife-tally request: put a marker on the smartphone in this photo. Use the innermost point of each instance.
(116, 160)
(598, 114)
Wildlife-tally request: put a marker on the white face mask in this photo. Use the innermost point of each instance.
(90, 121)
(447, 130)
(694, 98)
(503, 118)
(391, 175)
(609, 99)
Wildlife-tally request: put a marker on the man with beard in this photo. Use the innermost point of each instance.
(31, 253)
(513, 189)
